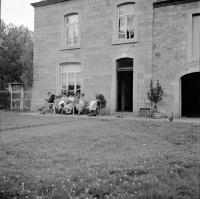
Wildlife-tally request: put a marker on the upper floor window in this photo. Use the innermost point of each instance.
(126, 21)
(71, 29)
(196, 37)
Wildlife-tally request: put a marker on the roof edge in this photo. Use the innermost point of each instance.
(46, 2)
(163, 3)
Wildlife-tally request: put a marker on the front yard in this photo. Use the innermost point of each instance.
(64, 157)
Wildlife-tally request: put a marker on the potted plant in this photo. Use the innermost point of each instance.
(155, 96)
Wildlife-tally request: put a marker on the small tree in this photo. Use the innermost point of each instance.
(155, 93)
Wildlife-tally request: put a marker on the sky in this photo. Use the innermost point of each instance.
(18, 12)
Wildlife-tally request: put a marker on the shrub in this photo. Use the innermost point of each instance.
(101, 99)
(4, 100)
(155, 93)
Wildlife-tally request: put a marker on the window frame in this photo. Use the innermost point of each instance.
(190, 58)
(195, 58)
(77, 45)
(78, 70)
(74, 81)
(71, 26)
(115, 39)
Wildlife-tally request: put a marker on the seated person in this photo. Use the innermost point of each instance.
(56, 104)
(95, 105)
(69, 104)
(64, 100)
(51, 97)
(65, 104)
(80, 105)
(68, 109)
(48, 105)
(71, 97)
(92, 108)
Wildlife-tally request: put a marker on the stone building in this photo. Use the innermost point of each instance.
(115, 47)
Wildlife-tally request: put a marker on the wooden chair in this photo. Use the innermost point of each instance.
(146, 110)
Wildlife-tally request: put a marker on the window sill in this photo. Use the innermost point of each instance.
(70, 47)
(124, 41)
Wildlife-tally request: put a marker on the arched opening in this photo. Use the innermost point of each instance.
(190, 95)
(125, 84)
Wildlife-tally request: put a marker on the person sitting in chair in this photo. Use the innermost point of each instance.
(64, 100)
(51, 97)
(92, 108)
(80, 105)
(48, 105)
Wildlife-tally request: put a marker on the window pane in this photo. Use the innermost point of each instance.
(122, 27)
(64, 80)
(130, 26)
(126, 9)
(73, 19)
(71, 81)
(71, 29)
(75, 33)
(196, 37)
(71, 77)
(69, 34)
(78, 82)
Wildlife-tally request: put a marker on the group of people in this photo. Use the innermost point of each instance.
(70, 103)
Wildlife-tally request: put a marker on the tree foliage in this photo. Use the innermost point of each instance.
(155, 92)
(16, 55)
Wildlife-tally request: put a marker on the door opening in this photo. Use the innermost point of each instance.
(125, 84)
(190, 95)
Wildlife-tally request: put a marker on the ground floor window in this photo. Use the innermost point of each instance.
(71, 78)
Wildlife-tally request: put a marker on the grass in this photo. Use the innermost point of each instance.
(94, 158)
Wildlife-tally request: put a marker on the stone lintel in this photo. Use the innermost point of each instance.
(162, 3)
(46, 2)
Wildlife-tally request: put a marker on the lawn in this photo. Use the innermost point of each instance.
(63, 157)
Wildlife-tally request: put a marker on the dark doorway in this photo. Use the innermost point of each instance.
(125, 84)
(190, 94)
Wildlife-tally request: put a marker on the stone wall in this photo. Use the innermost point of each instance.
(172, 49)
(97, 54)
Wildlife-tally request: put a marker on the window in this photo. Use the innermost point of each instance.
(126, 21)
(71, 78)
(71, 29)
(196, 37)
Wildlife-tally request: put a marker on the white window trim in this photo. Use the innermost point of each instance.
(115, 39)
(75, 80)
(189, 34)
(70, 26)
(64, 46)
(75, 72)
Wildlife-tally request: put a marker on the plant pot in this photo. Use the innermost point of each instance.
(156, 115)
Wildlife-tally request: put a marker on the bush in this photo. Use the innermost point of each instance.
(155, 93)
(4, 100)
(101, 99)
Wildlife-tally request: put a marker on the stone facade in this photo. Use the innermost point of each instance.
(172, 58)
(156, 53)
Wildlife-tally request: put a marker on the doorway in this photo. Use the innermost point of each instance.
(125, 84)
(190, 95)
